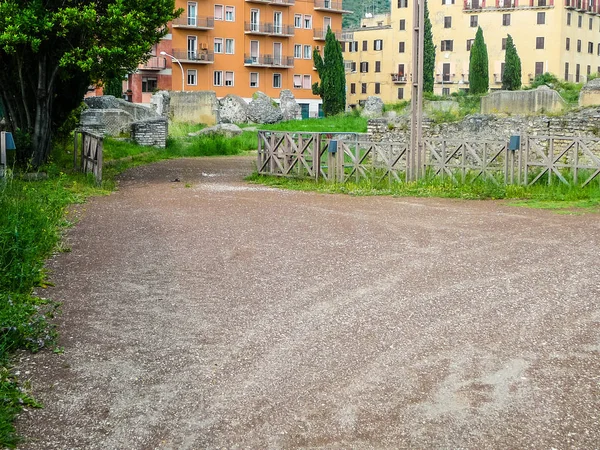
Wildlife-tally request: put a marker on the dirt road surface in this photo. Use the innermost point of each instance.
(210, 313)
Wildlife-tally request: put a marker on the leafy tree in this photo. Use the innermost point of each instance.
(428, 54)
(51, 51)
(114, 87)
(332, 74)
(478, 65)
(511, 78)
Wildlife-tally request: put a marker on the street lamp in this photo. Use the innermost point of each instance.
(180, 67)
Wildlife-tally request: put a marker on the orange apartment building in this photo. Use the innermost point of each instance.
(243, 46)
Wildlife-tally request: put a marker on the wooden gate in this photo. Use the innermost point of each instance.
(91, 153)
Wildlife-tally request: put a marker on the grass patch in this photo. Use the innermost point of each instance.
(338, 123)
(559, 197)
(179, 129)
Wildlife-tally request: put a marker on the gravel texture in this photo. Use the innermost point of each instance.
(210, 313)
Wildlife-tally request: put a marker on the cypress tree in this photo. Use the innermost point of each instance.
(479, 82)
(114, 86)
(332, 74)
(428, 54)
(511, 78)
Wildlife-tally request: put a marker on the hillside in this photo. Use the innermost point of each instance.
(360, 7)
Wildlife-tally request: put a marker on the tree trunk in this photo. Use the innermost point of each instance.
(41, 138)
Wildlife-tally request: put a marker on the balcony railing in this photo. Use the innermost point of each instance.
(590, 6)
(197, 23)
(268, 29)
(269, 61)
(319, 34)
(154, 63)
(491, 5)
(445, 78)
(399, 78)
(330, 5)
(198, 56)
(273, 2)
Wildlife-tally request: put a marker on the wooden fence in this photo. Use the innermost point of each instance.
(343, 157)
(91, 154)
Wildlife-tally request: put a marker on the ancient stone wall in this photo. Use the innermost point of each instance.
(542, 99)
(194, 107)
(585, 122)
(151, 132)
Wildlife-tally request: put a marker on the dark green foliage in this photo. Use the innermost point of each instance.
(511, 78)
(478, 65)
(114, 87)
(330, 67)
(360, 7)
(567, 90)
(428, 54)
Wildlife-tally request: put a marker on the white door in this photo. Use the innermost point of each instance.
(326, 23)
(277, 22)
(192, 48)
(254, 51)
(254, 20)
(192, 14)
(277, 53)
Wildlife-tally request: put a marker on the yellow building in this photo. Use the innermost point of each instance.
(563, 39)
(243, 46)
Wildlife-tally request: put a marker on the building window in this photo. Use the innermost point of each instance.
(401, 47)
(307, 21)
(192, 77)
(307, 52)
(539, 68)
(589, 71)
(192, 8)
(578, 45)
(402, 24)
(353, 67)
(447, 22)
(277, 80)
(591, 48)
(364, 67)
(577, 73)
(254, 79)
(218, 78)
(230, 13)
(192, 48)
(218, 12)
(447, 45)
(307, 82)
(230, 46)
(591, 23)
(470, 44)
(353, 88)
(447, 2)
(474, 21)
(297, 81)
(598, 49)
(378, 44)
(541, 18)
(377, 66)
(297, 51)
(505, 20)
(355, 43)
(149, 84)
(566, 71)
(218, 48)
(569, 19)
(579, 21)
(503, 43)
(568, 45)
(228, 78)
(378, 88)
(297, 20)
(364, 88)
(402, 3)
(400, 93)
(365, 46)
(539, 43)
(445, 92)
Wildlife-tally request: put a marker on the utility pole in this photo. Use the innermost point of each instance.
(415, 167)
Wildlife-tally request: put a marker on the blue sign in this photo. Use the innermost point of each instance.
(10, 142)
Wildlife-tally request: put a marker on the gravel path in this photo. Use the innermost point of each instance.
(210, 313)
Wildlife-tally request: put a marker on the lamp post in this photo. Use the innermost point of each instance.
(180, 67)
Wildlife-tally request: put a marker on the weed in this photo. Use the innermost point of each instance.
(338, 123)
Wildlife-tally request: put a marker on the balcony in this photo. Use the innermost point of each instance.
(588, 6)
(154, 63)
(445, 78)
(273, 2)
(194, 23)
(319, 34)
(330, 5)
(504, 5)
(268, 29)
(195, 57)
(399, 78)
(278, 61)
(498, 78)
